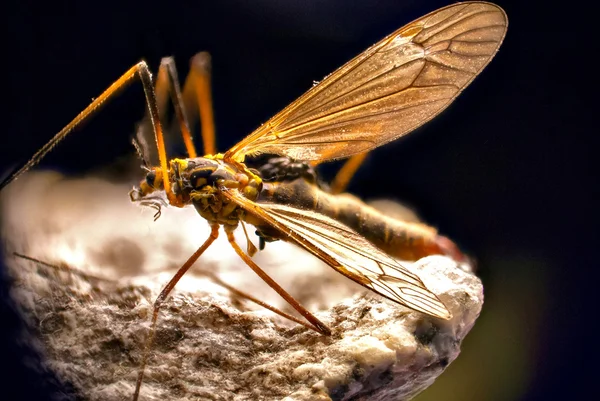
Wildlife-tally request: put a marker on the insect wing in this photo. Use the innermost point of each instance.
(347, 252)
(393, 87)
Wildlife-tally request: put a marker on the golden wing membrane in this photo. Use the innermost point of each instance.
(393, 87)
(347, 252)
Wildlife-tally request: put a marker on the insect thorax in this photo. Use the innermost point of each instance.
(273, 168)
(201, 180)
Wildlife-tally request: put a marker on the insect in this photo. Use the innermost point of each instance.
(387, 91)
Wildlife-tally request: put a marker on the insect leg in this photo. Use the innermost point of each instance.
(161, 298)
(257, 301)
(169, 74)
(197, 98)
(251, 249)
(142, 72)
(167, 85)
(65, 268)
(343, 177)
(315, 324)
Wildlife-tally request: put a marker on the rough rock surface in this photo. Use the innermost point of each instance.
(93, 316)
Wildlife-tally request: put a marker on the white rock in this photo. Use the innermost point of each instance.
(209, 346)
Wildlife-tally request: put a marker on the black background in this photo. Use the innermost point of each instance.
(506, 170)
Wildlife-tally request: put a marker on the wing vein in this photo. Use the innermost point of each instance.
(444, 50)
(459, 21)
(356, 89)
(366, 103)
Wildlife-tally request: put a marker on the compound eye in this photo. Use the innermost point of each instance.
(200, 176)
(151, 178)
(219, 174)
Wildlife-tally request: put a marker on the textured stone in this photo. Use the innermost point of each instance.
(93, 318)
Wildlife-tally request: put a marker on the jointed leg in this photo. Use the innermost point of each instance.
(167, 86)
(168, 73)
(257, 301)
(341, 180)
(251, 249)
(141, 71)
(161, 298)
(197, 98)
(315, 324)
(65, 268)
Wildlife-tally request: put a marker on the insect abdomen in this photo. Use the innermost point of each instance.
(400, 239)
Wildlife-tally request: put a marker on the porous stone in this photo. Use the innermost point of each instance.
(91, 310)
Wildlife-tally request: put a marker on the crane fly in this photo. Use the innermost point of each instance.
(393, 87)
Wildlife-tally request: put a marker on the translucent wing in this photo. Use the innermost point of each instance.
(347, 252)
(392, 88)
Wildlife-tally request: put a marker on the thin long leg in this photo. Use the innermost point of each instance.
(315, 324)
(167, 86)
(141, 71)
(213, 277)
(197, 98)
(65, 268)
(168, 72)
(257, 301)
(343, 177)
(161, 298)
(251, 249)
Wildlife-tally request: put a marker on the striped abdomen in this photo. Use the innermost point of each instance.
(400, 239)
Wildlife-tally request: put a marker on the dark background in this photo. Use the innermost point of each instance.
(506, 170)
